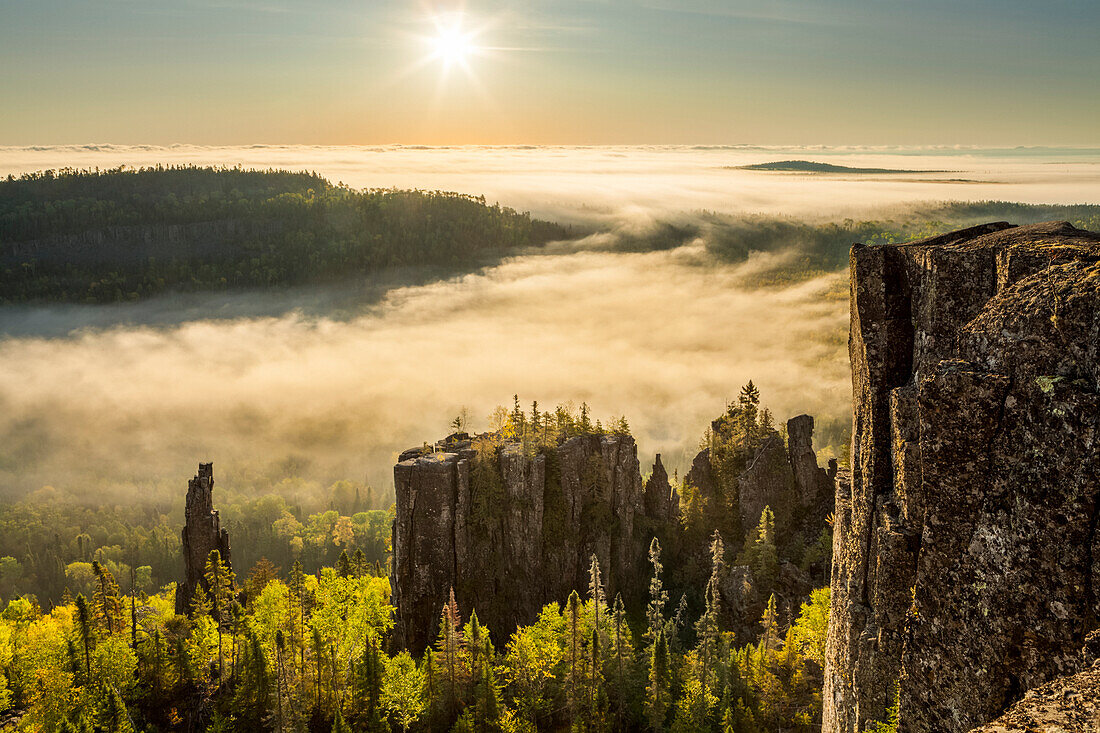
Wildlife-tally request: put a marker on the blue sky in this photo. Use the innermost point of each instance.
(971, 72)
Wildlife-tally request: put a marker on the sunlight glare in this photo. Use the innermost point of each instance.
(452, 45)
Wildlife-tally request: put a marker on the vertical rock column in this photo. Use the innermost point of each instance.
(202, 534)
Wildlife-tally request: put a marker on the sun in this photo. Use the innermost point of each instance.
(452, 45)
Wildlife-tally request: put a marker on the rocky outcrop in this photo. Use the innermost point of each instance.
(783, 477)
(661, 500)
(202, 534)
(511, 530)
(1067, 705)
(965, 548)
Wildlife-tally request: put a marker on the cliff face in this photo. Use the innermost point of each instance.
(510, 531)
(202, 534)
(966, 554)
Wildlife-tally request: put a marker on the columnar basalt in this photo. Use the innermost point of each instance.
(202, 534)
(965, 547)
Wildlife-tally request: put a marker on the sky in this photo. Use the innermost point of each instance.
(569, 72)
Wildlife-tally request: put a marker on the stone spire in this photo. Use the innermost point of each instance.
(202, 534)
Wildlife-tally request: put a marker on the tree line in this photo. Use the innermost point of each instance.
(187, 228)
(309, 651)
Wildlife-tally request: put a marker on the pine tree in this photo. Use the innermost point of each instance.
(221, 580)
(450, 646)
(367, 688)
(117, 716)
(472, 634)
(761, 551)
(200, 603)
(106, 603)
(623, 659)
(487, 702)
(297, 612)
(585, 423)
(252, 697)
(343, 565)
(769, 639)
(749, 401)
(659, 689)
(707, 629)
(573, 623)
(658, 596)
(359, 563)
(85, 631)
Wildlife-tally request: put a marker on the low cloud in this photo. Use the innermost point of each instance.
(662, 337)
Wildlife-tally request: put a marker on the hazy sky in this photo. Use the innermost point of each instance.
(984, 72)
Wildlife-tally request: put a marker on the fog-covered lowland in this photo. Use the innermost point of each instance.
(682, 278)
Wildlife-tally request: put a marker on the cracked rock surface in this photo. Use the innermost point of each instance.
(966, 557)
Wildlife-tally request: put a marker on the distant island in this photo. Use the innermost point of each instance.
(809, 166)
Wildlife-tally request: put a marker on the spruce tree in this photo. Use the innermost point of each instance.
(659, 687)
(707, 629)
(449, 646)
(658, 596)
(106, 602)
(623, 661)
(85, 631)
(221, 580)
(761, 552)
(573, 623)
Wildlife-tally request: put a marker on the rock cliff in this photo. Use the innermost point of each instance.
(511, 530)
(202, 534)
(965, 548)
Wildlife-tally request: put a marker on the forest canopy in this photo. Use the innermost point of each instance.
(124, 234)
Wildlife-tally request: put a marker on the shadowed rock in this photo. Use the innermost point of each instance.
(202, 534)
(966, 550)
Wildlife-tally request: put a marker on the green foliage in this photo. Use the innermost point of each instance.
(215, 228)
(312, 648)
(761, 553)
(890, 725)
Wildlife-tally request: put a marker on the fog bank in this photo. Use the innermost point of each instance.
(662, 337)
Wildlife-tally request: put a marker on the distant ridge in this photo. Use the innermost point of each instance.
(809, 166)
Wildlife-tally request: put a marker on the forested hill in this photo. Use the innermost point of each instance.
(125, 234)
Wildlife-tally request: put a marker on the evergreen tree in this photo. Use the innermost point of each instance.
(449, 646)
(622, 660)
(366, 688)
(749, 401)
(343, 565)
(574, 625)
(252, 697)
(117, 717)
(658, 596)
(487, 701)
(761, 552)
(85, 632)
(106, 602)
(221, 580)
(584, 426)
(659, 689)
(359, 563)
(707, 629)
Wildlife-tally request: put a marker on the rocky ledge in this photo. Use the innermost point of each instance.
(966, 557)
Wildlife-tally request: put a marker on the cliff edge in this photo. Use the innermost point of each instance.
(966, 556)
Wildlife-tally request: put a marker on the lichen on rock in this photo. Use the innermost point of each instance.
(966, 550)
